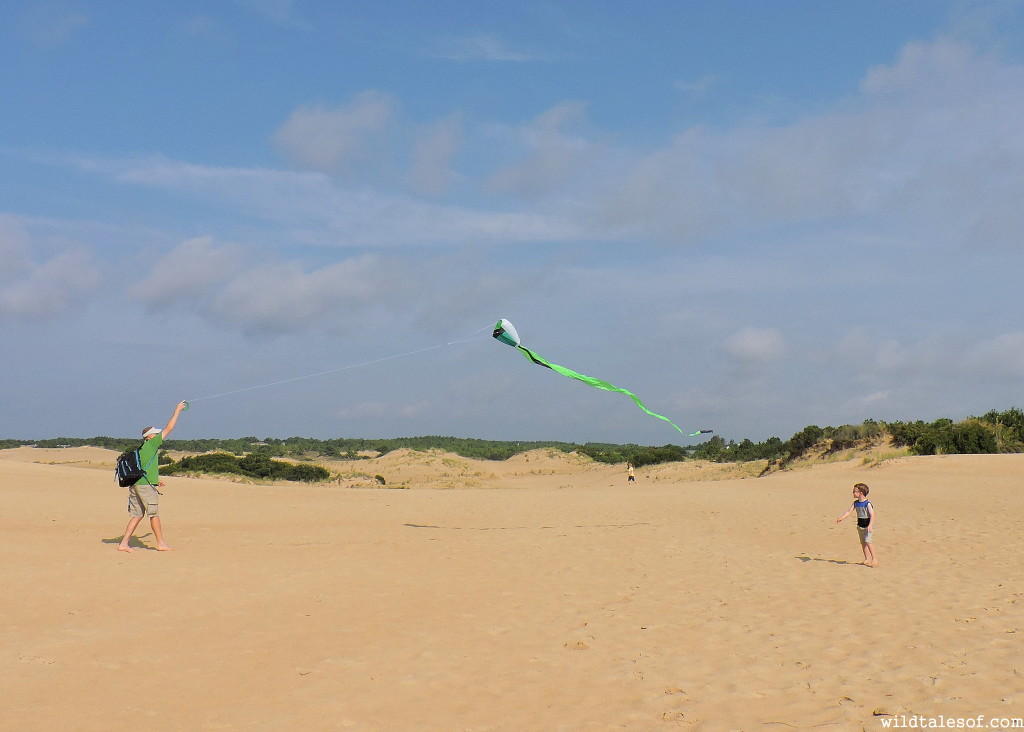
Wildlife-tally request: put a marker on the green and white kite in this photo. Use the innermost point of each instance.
(506, 333)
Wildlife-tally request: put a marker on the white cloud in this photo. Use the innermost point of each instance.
(929, 146)
(326, 139)
(552, 157)
(874, 398)
(755, 345)
(318, 210)
(14, 243)
(274, 194)
(49, 27)
(931, 142)
(431, 158)
(412, 410)
(285, 298)
(700, 86)
(481, 47)
(920, 374)
(187, 272)
(281, 12)
(50, 288)
(869, 359)
(364, 410)
(1000, 357)
(924, 68)
(207, 27)
(41, 286)
(378, 409)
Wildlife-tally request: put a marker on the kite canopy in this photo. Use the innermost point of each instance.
(506, 333)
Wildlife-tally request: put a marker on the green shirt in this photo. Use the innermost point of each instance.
(147, 454)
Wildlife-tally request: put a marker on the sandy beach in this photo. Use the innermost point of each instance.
(542, 593)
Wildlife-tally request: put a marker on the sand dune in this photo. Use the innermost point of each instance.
(566, 600)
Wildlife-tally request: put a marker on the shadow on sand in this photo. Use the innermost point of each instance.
(523, 528)
(134, 542)
(830, 561)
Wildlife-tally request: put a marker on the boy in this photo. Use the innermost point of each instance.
(865, 522)
(143, 497)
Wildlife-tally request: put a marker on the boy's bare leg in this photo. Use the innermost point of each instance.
(158, 533)
(129, 530)
(870, 550)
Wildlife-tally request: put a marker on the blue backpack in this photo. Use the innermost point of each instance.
(130, 469)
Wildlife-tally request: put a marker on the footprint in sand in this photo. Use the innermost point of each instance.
(36, 659)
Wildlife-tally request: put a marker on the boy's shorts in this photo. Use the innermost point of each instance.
(865, 535)
(143, 500)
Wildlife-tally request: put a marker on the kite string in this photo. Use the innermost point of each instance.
(464, 339)
(471, 337)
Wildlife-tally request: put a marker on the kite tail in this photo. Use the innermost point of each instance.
(596, 383)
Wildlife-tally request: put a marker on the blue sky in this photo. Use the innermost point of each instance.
(755, 215)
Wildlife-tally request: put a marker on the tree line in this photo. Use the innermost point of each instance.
(992, 432)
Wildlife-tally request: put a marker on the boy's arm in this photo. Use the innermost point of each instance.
(848, 512)
(173, 420)
(871, 515)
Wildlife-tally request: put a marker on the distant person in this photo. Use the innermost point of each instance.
(143, 497)
(629, 470)
(865, 522)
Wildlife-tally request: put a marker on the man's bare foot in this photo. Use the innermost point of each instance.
(164, 548)
(123, 548)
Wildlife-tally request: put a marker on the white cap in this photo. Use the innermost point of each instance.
(151, 431)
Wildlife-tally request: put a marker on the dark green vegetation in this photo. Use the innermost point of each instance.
(993, 432)
(253, 465)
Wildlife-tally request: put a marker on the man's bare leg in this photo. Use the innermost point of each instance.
(158, 533)
(129, 530)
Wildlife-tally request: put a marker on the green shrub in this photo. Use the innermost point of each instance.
(305, 473)
(216, 462)
(261, 465)
(253, 465)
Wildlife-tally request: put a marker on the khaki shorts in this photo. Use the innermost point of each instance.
(143, 500)
(865, 535)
